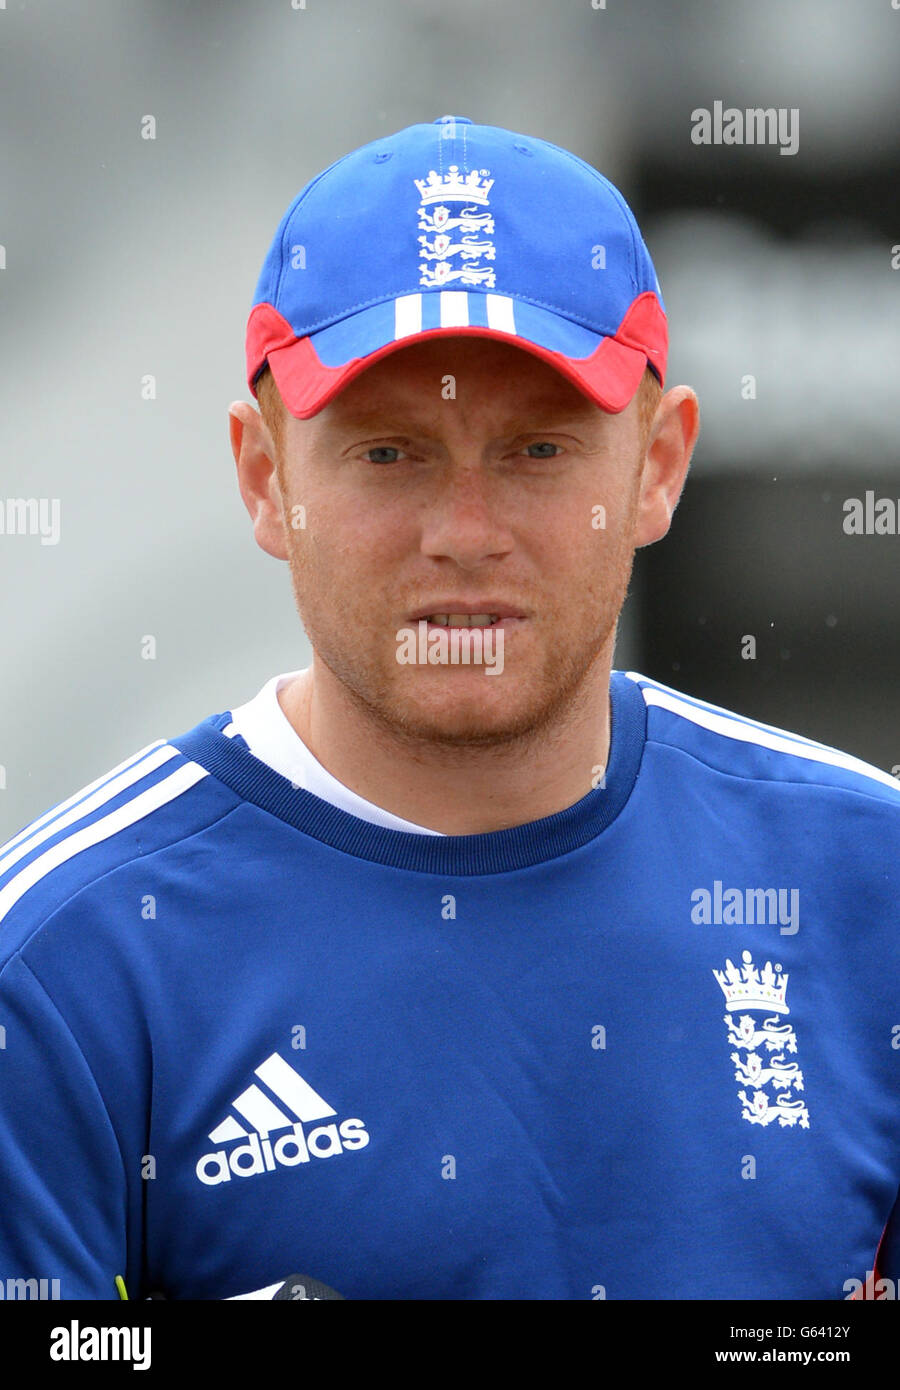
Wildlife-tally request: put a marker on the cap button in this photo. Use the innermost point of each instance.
(452, 120)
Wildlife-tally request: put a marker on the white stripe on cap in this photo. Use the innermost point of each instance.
(500, 313)
(454, 309)
(407, 315)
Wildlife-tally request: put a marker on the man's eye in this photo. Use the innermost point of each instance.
(543, 446)
(381, 450)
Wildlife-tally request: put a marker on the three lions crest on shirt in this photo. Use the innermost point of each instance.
(749, 990)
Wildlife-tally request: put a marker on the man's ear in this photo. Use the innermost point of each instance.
(254, 456)
(670, 444)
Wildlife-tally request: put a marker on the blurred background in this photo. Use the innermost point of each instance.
(124, 257)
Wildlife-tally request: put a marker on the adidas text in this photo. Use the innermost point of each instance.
(261, 1155)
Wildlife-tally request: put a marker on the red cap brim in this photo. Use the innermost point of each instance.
(609, 376)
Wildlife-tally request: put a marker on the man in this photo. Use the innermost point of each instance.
(459, 965)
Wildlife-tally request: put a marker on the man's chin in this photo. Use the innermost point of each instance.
(467, 709)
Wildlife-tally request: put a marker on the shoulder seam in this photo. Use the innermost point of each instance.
(83, 795)
(779, 741)
(645, 684)
(772, 781)
(47, 919)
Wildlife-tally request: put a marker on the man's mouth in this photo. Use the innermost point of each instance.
(491, 615)
(462, 619)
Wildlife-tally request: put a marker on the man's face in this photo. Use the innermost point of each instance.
(455, 475)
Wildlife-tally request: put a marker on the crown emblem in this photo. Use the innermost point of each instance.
(455, 187)
(749, 988)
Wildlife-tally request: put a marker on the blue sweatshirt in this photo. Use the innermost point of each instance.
(646, 1047)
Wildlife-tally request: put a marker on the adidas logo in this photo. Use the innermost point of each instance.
(259, 1154)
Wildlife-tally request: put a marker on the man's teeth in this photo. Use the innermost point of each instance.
(463, 619)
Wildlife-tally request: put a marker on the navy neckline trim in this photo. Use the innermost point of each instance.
(497, 851)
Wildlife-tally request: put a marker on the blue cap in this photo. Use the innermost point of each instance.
(455, 228)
